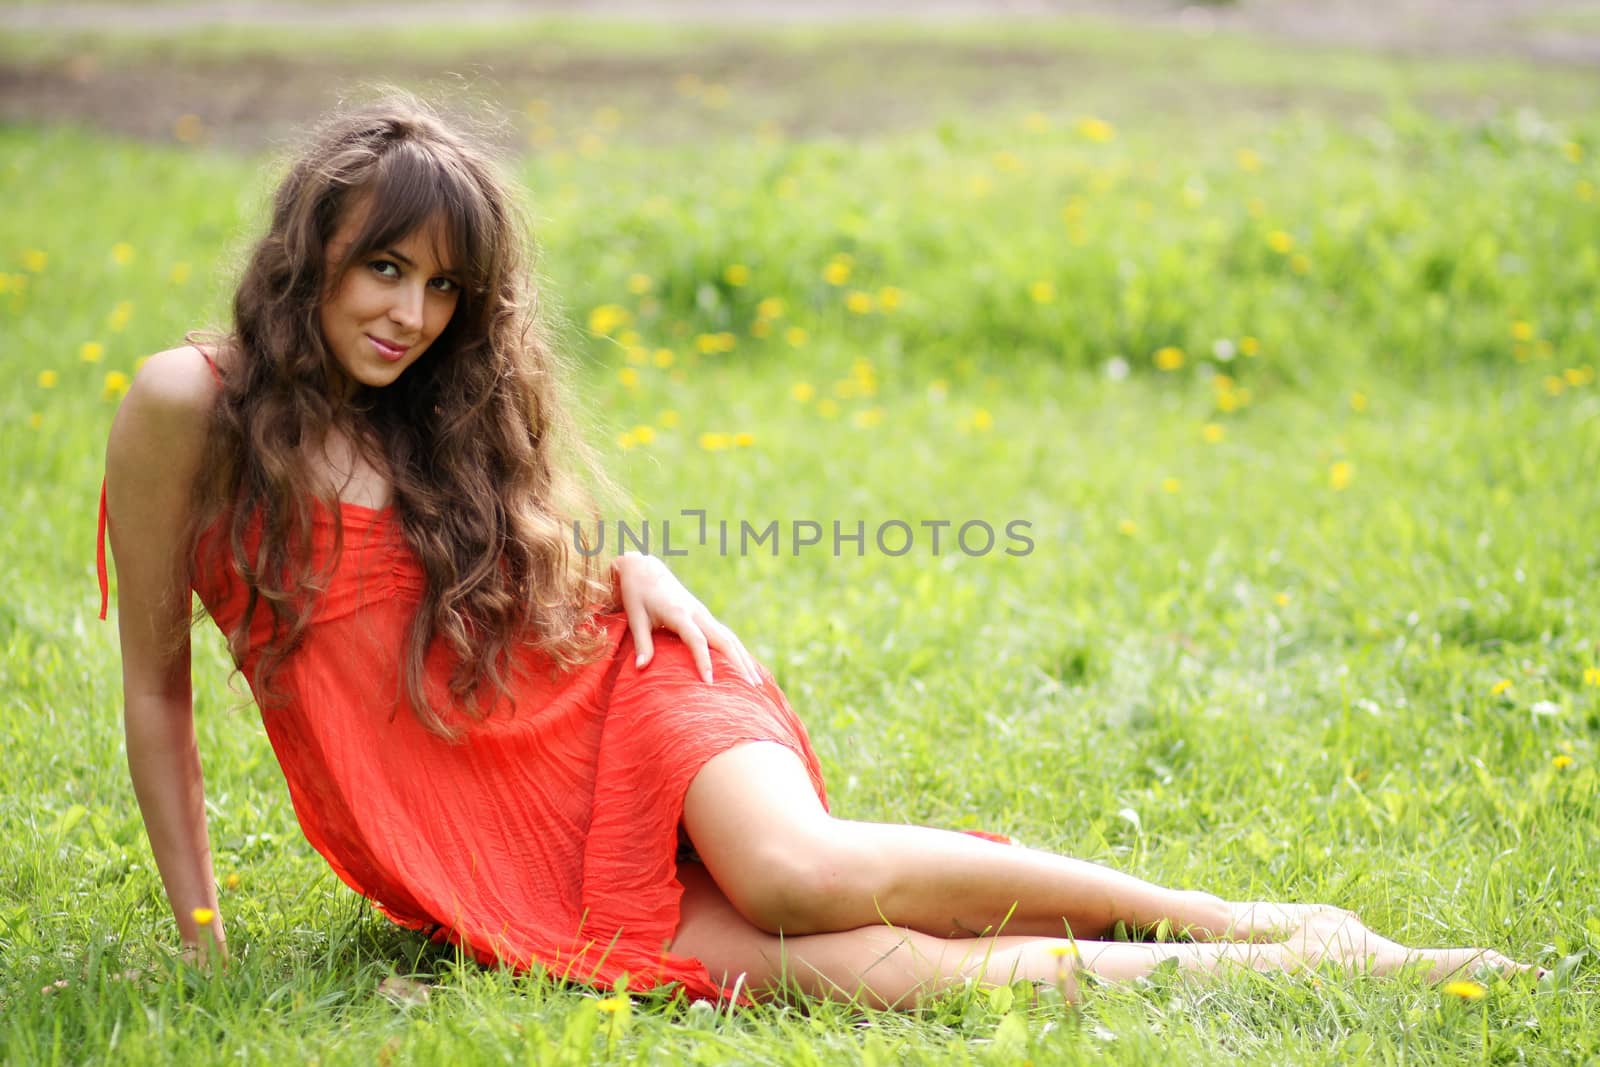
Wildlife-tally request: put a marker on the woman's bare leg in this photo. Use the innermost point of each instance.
(786, 864)
(889, 967)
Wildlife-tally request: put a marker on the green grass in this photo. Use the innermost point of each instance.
(1244, 679)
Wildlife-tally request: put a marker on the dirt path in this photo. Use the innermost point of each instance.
(249, 100)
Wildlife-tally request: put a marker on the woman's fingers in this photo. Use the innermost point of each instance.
(690, 633)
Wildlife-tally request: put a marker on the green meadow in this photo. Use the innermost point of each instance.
(1296, 397)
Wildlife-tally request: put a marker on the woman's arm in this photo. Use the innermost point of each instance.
(151, 464)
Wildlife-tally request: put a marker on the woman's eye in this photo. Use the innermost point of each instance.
(384, 268)
(444, 285)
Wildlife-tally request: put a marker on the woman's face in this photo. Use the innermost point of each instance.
(382, 315)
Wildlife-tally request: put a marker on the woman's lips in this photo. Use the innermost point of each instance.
(391, 352)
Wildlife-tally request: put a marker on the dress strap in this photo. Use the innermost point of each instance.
(100, 555)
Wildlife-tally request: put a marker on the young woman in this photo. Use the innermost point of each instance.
(369, 482)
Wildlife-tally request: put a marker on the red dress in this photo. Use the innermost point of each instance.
(548, 836)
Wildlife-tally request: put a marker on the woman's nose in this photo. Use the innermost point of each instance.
(406, 308)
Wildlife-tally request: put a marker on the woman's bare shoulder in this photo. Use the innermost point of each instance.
(168, 407)
(179, 380)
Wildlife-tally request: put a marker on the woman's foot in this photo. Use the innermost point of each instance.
(1266, 920)
(1341, 937)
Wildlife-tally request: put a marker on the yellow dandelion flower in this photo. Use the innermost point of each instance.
(736, 274)
(35, 420)
(1465, 990)
(981, 420)
(1095, 129)
(1212, 433)
(844, 388)
(761, 328)
(980, 185)
(868, 417)
(232, 881)
(714, 442)
(1300, 264)
(122, 253)
(637, 355)
(1127, 527)
(663, 357)
(591, 146)
(707, 344)
(1585, 190)
(628, 377)
(726, 342)
(743, 439)
(189, 128)
(771, 307)
(1282, 600)
(203, 916)
(1064, 951)
(1591, 676)
(1042, 292)
(1576, 376)
(118, 319)
(1555, 385)
(48, 379)
(1248, 161)
(1036, 122)
(612, 1005)
(1561, 762)
(1358, 401)
(889, 297)
(1281, 242)
(1170, 485)
(1500, 687)
(1227, 402)
(639, 284)
(668, 419)
(1573, 151)
(644, 434)
(1339, 474)
(796, 336)
(606, 318)
(828, 407)
(1008, 162)
(837, 272)
(35, 260)
(91, 351)
(1222, 382)
(626, 441)
(803, 391)
(116, 384)
(1072, 211)
(1169, 358)
(1249, 346)
(1522, 331)
(858, 302)
(629, 338)
(179, 274)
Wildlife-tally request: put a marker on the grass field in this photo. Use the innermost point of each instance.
(1301, 408)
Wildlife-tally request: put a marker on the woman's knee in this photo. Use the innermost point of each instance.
(817, 881)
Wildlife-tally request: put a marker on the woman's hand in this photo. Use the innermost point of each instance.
(652, 596)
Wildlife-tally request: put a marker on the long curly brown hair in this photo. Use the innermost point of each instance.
(476, 436)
